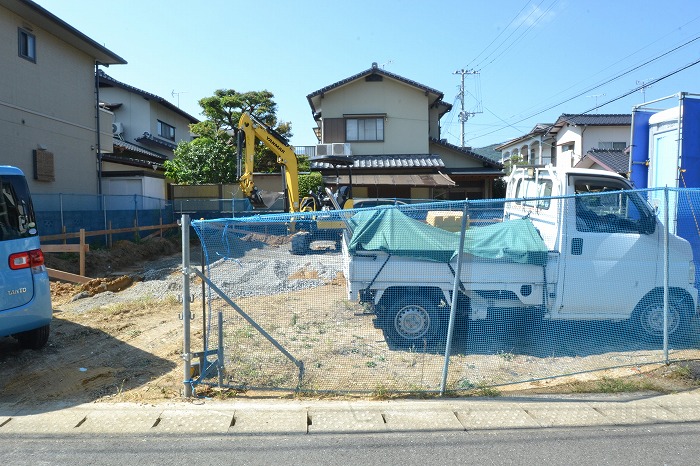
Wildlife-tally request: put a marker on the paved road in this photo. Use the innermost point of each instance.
(658, 444)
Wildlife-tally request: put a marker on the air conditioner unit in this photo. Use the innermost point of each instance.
(324, 149)
(117, 128)
(341, 148)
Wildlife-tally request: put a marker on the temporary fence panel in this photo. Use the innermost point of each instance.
(71, 212)
(546, 287)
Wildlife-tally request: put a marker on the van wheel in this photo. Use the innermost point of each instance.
(412, 321)
(648, 319)
(33, 339)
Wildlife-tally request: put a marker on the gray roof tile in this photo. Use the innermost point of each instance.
(389, 161)
(607, 119)
(614, 160)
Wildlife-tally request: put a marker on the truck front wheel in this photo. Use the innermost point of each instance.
(648, 318)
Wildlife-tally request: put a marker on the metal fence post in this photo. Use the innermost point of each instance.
(666, 272)
(186, 355)
(220, 350)
(60, 201)
(455, 296)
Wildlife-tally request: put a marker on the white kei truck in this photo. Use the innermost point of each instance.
(572, 244)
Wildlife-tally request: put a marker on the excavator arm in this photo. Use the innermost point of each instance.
(250, 129)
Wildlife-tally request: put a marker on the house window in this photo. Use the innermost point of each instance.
(26, 45)
(612, 145)
(364, 129)
(166, 131)
(567, 146)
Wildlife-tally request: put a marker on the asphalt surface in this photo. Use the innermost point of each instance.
(304, 417)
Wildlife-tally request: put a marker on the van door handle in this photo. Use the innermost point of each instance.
(576, 246)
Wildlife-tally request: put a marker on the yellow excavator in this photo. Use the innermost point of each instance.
(305, 231)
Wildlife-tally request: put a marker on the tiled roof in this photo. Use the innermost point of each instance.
(137, 149)
(595, 119)
(389, 161)
(110, 81)
(376, 71)
(148, 137)
(469, 151)
(614, 160)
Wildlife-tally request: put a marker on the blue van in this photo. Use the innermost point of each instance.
(25, 291)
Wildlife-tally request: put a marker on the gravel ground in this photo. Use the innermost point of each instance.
(260, 271)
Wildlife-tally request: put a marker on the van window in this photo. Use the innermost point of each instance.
(16, 213)
(608, 206)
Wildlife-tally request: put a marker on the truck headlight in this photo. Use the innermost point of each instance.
(691, 273)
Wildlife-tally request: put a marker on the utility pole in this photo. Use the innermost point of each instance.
(463, 114)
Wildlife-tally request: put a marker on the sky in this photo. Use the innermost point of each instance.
(525, 61)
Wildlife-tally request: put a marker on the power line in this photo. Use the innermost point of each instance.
(614, 78)
(532, 25)
(500, 33)
(636, 89)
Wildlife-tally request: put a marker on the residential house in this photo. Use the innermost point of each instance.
(390, 126)
(146, 129)
(566, 142)
(538, 147)
(50, 124)
(613, 160)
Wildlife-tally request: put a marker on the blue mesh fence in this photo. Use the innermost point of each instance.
(59, 213)
(548, 286)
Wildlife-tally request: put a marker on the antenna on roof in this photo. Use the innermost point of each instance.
(596, 100)
(643, 88)
(178, 96)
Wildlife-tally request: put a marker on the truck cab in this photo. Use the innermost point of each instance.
(609, 244)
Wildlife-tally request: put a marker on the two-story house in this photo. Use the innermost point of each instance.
(50, 123)
(390, 126)
(146, 129)
(590, 140)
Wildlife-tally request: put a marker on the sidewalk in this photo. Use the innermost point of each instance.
(283, 417)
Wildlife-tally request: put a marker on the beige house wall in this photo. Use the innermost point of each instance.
(48, 104)
(406, 109)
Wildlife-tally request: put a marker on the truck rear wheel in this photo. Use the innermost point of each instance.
(412, 321)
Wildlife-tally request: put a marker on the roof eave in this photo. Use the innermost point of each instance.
(46, 20)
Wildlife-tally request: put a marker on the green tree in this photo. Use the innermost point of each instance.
(499, 187)
(211, 157)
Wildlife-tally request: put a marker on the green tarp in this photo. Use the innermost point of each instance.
(391, 231)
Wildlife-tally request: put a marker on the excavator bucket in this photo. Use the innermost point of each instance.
(256, 200)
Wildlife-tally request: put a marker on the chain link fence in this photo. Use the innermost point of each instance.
(543, 287)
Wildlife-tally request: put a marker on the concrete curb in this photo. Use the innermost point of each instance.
(283, 417)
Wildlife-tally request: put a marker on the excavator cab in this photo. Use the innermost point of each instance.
(343, 193)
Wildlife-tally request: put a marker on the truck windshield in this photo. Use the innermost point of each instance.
(610, 207)
(16, 212)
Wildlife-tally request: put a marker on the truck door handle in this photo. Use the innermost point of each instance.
(576, 246)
